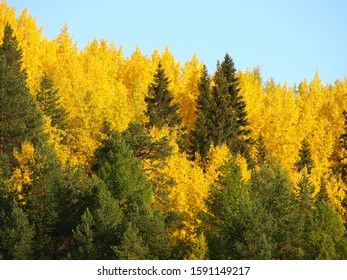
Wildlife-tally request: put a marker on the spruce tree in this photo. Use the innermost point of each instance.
(229, 112)
(261, 151)
(16, 234)
(200, 137)
(48, 100)
(305, 160)
(124, 178)
(20, 118)
(275, 191)
(160, 107)
(235, 224)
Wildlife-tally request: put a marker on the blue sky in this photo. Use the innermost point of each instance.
(288, 39)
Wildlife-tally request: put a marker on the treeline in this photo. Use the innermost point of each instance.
(106, 157)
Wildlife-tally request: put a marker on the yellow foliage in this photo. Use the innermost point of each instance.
(216, 158)
(23, 174)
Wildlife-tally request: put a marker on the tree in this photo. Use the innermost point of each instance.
(16, 234)
(325, 238)
(261, 151)
(275, 191)
(229, 112)
(200, 137)
(83, 236)
(235, 225)
(160, 107)
(305, 160)
(121, 172)
(48, 99)
(124, 179)
(340, 155)
(20, 118)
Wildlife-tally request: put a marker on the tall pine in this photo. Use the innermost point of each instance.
(20, 118)
(161, 110)
(200, 136)
(305, 157)
(48, 100)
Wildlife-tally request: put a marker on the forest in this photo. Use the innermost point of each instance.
(104, 156)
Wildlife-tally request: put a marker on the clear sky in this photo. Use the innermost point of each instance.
(288, 39)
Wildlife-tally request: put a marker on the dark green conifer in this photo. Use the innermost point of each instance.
(49, 101)
(160, 107)
(229, 113)
(305, 160)
(200, 136)
(20, 118)
(16, 234)
(275, 191)
(261, 151)
(235, 224)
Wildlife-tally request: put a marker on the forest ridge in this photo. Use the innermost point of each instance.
(104, 156)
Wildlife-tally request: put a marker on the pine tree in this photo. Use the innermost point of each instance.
(235, 225)
(275, 191)
(143, 145)
(261, 151)
(20, 118)
(16, 234)
(325, 238)
(160, 107)
(200, 136)
(305, 160)
(229, 112)
(132, 246)
(83, 237)
(121, 171)
(124, 178)
(48, 100)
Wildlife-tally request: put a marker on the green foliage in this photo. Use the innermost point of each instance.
(325, 238)
(276, 194)
(132, 246)
(16, 234)
(20, 118)
(160, 108)
(49, 102)
(83, 236)
(121, 172)
(200, 136)
(236, 224)
(261, 151)
(305, 160)
(230, 116)
(143, 145)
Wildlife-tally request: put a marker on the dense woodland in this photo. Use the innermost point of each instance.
(104, 156)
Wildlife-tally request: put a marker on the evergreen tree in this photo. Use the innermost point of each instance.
(83, 236)
(132, 246)
(121, 172)
(127, 184)
(325, 238)
(144, 146)
(306, 189)
(261, 151)
(229, 112)
(200, 136)
(305, 160)
(160, 107)
(235, 225)
(275, 191)
(16, 234)
(20, 118)
(48, 100)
